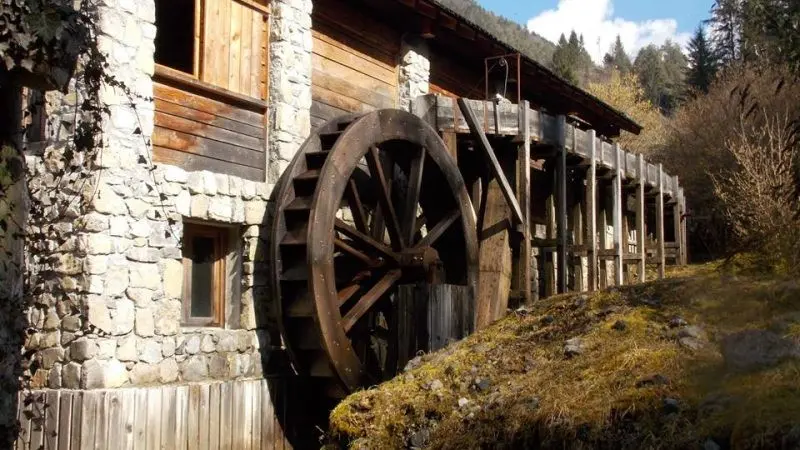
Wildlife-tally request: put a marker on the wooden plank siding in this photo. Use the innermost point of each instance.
(234, 51)
(217, 120)
(196, 132)
(217, 415)
(354, 62)
(452, 79)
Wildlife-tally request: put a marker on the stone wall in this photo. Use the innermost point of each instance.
(289, 82)
(112, 315)
(415, 71)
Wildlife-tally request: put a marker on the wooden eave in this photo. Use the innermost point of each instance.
(471, 44)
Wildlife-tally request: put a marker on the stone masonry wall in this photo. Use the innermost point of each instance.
(415, 71)
(289, 82)
(116, 320)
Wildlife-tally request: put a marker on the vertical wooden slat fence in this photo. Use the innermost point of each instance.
(220, 415)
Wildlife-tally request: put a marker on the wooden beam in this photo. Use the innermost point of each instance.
(561, 201)
(450, 139)
(494, 164)
(591, 211)
(641, 222)
(684, 245)
(524, 195)
(676, 222)
(549, 258)
(575, 250)
(660, 222)
(617, 217)
(495, 261)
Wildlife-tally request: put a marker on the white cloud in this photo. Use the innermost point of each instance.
(596, 21)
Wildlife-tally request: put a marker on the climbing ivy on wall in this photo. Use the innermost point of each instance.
(45, 45)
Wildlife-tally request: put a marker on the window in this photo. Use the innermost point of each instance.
(175, 38)
(219, 42)
(206, 284)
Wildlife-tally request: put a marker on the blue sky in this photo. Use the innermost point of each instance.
(638, 22)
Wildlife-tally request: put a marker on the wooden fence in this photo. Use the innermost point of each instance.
(207, 416)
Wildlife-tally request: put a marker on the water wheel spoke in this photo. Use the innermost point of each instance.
(369, 299)
(343, 245)
(356, 206)
(347, 293)
(412, 197)
(385, 199)
(362, 240)
(437, 231)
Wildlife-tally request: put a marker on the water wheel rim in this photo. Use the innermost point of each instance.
(356, 142)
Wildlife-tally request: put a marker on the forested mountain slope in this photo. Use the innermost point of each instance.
(511, 33)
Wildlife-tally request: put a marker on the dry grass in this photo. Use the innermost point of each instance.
(538, 397)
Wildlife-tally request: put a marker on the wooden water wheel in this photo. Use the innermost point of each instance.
(369, 203)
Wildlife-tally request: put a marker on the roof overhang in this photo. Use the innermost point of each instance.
(448, 31)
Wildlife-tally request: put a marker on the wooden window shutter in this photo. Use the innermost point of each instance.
(235, 45)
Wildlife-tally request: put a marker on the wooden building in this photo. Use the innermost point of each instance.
(182, 336)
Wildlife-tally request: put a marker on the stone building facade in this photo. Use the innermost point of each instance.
(112, 318)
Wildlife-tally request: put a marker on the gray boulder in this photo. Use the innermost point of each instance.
(757, 349)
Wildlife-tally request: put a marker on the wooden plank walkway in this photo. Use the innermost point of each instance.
(443, 113)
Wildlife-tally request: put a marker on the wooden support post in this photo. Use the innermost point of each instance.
(603, 273)
(494, 164)
(549, 257)
(495, 256)
(617, 217)
(641, 220)
(450, 139)
(561, 180)
(676, 225)
(524, 196)
(591, 211)
(660, 222)
(684, 247)
(577, 259)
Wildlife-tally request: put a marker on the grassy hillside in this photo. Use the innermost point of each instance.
(510, 32)
(703, 359)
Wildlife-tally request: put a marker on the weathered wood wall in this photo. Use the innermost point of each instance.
(224, 415)
(451, 78)
(449, 313)
(235, 37)
(354, 62)
(215, 119)
(195, 131)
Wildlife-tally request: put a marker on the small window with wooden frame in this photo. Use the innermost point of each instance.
(206, 282)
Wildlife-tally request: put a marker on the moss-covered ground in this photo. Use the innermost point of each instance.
(646, 371)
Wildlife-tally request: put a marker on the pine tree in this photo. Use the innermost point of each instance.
(564, 61)
(674, 65)
(703, 62)
(649, 68)
(618, 59)
(726, 21)
(571, 60)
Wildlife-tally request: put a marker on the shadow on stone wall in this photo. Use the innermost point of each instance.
(299, 404)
